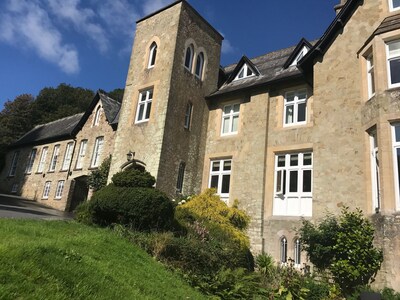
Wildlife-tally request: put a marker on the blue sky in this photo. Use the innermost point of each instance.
(87, 43)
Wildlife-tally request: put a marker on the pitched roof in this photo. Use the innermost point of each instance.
(111, 108)
(270, 67)
(49, 132)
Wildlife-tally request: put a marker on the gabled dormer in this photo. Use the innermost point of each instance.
(244, 69)
(298, 53)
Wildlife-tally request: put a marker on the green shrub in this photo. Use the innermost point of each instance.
(97, 179)
(133, 178)
(83, 214)
(139, 208)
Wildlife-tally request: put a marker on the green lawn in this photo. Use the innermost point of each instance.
(67, 260)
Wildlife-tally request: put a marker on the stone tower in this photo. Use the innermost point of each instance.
(163, 119)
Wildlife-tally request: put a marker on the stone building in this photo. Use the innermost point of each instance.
(51, 162)
(291, 134)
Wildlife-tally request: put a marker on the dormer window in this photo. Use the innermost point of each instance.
(244, 72)
(299, 56)
(152, 55)
(189, 58)
(199, 65)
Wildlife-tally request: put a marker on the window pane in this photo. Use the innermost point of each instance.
(227, 165)
(188, 57)
(225, 184)
(294, 160)
(150, 95)
(301, 113)
(394, 48)
(140, 116)
(148, 110)
(289, 97)
(281, 160)
(307, 159)
(215, 166)
(289, 114)
(293, 182)
(398, 166)
(225, 125)
(214, 182)
(236, 107)
(235, 123)
(307, 181)
(249, 72)
(395, 71)
(227, 109)
(241, 74)
(279, 181)
(396, 3)
(397, 132)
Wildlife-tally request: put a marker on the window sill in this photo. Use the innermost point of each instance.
(63, 171)
(141, 122)
(93, 168)
(78, 169)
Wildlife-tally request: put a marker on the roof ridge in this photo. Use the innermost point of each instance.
(58, 120)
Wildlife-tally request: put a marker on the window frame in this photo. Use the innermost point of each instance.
(14, 162)
(390, 58)
(391, 6)
(221, 173)
(199, 66)
(31, 161)
(230, 117)
(190, 62)
(67, 156)
(97, 152)
(283, 250)
(81, 154)
(146, 103)
(152, 55)
(96, 120)
(14, 188)
(283, 179)
(297, 252)
(245, 69)
(46, 190)
(375, 171)
(370, 66)
(54, 158)
(188, 115)
(59, 189)
(396, 163)
(181, 177)
(42, 160)
(295, 103)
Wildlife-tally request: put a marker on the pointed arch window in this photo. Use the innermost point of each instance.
(199, 65)
(189, 58)
(97, 116)
(297, 252)
(152, 55)
(244, 72)
(283, 250)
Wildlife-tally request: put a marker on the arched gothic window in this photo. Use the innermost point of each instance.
(297, 252)
(283, 250)
(152, 55)
(199, 65)
(189, 58)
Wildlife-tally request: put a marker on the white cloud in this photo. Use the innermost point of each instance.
(227, 47)
(26, 24)
(151, 6)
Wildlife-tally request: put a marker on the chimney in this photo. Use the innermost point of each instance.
(339, 6)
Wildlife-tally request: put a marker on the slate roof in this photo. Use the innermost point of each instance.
(68, 127)
(270, 66)
(53, 131)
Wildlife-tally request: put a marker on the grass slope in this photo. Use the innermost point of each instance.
(66, 260)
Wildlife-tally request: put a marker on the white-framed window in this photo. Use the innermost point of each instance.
(68, 156)
(14, 188)
(181, 175)
(14, 162)
(293, 184)
(96, 121)
(375, 173)
(299, 56)
(396, 161)
(244, 72)
(394, 4)
(42, 160)
(81, 154)
(97, 150)
(370, 76)
(144, 106)
(189, 58)
(54, 158)
(297, 252)
(59, 189)
(199, 65)
(220, 177)
(295, 111)
(152, 55)
(230, 119)
(188, 115)
(393, 63)
(283, 250)
(46, 190)
(31, 160)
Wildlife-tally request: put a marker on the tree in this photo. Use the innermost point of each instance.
(98, 178)
(344, 246)
(117, 94)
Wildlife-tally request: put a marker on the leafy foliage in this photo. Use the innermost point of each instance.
(97, 179)
(133, 178)
(117, 94)
(138, 208)
(345, 247)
